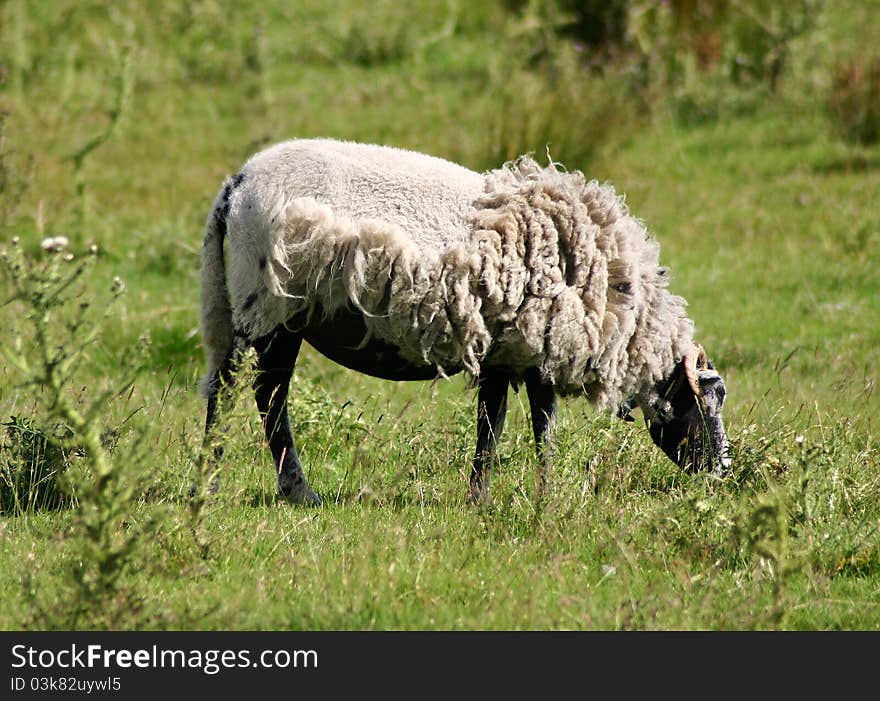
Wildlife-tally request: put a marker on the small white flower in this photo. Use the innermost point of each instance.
(53, 244)
(799, 439)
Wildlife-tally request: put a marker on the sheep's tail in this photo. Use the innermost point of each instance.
(216, 311)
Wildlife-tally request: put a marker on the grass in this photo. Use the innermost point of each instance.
(770, 225)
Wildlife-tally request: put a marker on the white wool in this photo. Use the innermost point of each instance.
(519, 267)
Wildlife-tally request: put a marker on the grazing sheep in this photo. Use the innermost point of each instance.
(406, 267)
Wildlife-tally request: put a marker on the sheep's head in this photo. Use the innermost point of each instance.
(685, 421)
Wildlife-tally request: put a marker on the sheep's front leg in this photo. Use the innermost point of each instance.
(542, 406)
(277, 353)
(491, 411)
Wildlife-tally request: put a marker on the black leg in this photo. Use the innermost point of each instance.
(277, 353)
(491, 411)
(542, 405)
(221, 381)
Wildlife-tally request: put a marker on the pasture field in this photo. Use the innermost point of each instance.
(120, 121)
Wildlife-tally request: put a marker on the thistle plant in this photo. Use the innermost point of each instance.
(49, 342)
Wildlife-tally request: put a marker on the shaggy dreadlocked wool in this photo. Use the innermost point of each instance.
(524, 266)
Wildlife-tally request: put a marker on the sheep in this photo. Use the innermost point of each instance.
(405, 266)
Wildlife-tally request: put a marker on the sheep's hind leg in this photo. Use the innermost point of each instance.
(221, 381)
(542, 406)
(491, 412)
(277, 353)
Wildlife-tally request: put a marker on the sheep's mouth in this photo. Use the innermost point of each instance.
(691, 455)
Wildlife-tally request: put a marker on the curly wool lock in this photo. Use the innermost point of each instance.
(524, 266)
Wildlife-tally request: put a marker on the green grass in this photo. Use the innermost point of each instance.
(769, 223)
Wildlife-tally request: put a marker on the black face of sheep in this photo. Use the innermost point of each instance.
(688, 426)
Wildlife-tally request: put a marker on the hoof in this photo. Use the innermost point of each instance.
(296, 489)
(307, 497)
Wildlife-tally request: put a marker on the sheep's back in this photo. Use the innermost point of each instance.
(428, 198)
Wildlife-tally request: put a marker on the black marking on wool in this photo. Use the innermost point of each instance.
(222, 211)
(250, 301)
(263, 263)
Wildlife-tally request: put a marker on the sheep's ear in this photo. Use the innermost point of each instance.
(694, 363)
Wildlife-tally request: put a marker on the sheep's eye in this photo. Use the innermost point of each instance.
(623, 287)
